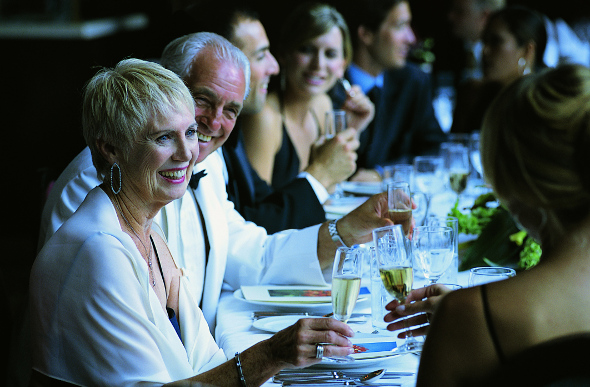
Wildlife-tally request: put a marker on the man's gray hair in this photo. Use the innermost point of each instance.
(179, 55)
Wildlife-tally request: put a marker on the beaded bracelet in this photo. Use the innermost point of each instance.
(240, 371)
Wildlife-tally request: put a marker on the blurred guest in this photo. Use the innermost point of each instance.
(404, 125)
(298, 203)
(535, 140)
(468, 19)
(288, 136)
(514, 42)
(109, 304)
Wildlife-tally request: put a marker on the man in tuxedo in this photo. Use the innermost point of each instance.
(299, 203)
(209, 240)
(404, 125)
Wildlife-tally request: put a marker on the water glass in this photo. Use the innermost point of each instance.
(484, 275)
(335, 122)
(379, 296)
(450, 275)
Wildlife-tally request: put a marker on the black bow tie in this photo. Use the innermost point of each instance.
(194, 181)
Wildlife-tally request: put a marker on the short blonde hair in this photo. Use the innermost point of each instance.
(535, 144)
(121, 104)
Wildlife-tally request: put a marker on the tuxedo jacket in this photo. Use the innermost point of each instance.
(404, 125)
(294, 205)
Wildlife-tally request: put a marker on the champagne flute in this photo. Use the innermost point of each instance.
(457, 164)
(396, 271)
(346, 281)
(399, 203)
(433, 248)
(335, 123)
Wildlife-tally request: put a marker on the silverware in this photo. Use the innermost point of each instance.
(288, 375)
(367, 378)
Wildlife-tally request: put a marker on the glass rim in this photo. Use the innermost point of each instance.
(492, 270)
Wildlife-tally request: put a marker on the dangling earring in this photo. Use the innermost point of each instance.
(522, 64)
(120, 180)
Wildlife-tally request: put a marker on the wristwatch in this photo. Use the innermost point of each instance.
(334, 233)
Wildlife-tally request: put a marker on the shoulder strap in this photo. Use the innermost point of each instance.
(490, 324)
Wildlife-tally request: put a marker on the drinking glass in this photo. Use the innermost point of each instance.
(379, 296)
(429, 175)
(396, 271)
(474, 154)
(346, 281)
(335, 123)
(457, 165)
(399, 204)
(433, 248)
(484, 275)
(450, 274)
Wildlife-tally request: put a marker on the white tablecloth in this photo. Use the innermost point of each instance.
(234, 332)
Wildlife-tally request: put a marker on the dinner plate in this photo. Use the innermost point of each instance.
(361, 188)
(294, 305)
(278, 323)
(290, 305)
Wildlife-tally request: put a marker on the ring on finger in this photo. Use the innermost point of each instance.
(319, 351)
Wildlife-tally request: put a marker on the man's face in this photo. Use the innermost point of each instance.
(218, 88)
(250, 37)
(467, 20)
(391, 43)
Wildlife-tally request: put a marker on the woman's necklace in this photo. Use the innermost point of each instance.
(148, 252)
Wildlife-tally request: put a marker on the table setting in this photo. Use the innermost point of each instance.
(367, 277)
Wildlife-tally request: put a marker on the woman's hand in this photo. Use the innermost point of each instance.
(296, 345)
(420, 304)
(359, 107)
(333, 161)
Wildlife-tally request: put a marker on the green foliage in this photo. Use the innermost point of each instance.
(499, 241)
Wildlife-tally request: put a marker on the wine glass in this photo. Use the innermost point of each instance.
(346, 281)
(399, 204)
(474, 154)
(450, 275)
(396, 271)
(457, 165)
(335, 123)
(433, 249)
(429, 176)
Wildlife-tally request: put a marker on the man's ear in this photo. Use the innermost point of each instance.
(107, 151)
(365, 35)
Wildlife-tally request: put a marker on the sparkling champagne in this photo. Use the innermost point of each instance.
(345, 291)
(403, 217)
(397, 280)
(458, 180)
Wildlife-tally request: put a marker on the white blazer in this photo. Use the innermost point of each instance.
(241, 253)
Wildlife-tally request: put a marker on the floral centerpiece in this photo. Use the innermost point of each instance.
(499, 242)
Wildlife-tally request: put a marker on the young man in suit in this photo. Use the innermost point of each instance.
(404, 125)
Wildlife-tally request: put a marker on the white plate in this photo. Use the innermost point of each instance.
(361, 188)
(294, 305)
(278, 323)
(290, 305)
(361, 361)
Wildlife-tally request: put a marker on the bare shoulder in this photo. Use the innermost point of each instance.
(458, 347)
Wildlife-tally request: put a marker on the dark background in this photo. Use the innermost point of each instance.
(41, 82)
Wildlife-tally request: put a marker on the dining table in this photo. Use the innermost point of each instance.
(242, 323)
(235, 331)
